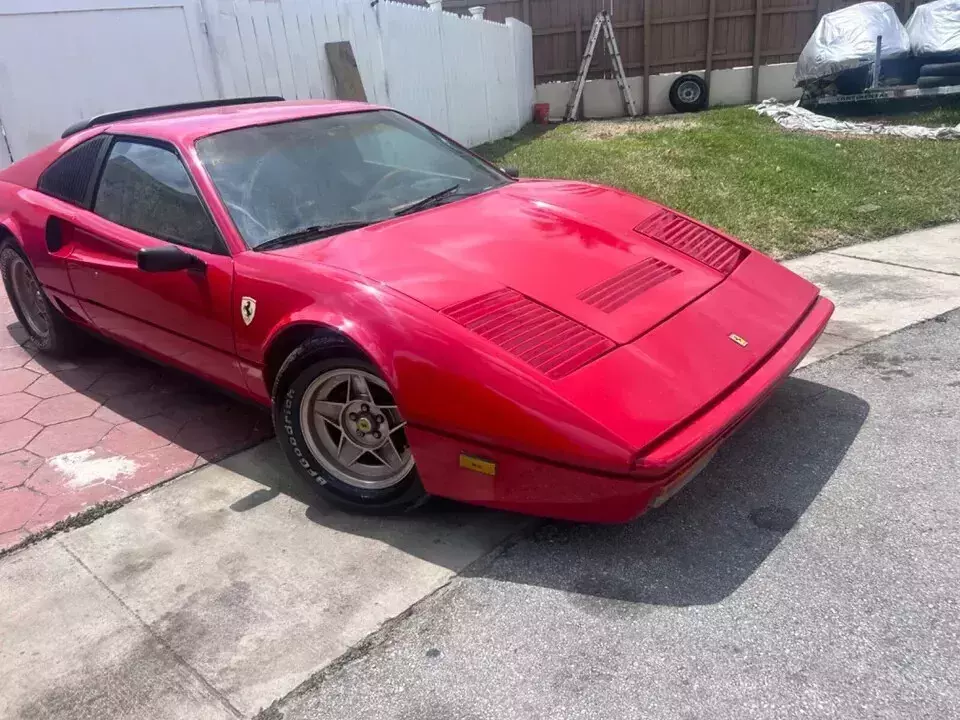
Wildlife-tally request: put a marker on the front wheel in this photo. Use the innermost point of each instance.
(341, 429)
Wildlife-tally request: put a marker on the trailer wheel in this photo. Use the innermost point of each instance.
(934, 81)
(941, 70)
(688, 94)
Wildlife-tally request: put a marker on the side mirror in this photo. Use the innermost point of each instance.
(510, 171)
(167, 258)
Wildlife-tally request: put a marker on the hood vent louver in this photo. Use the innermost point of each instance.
(691, 239)
(613, 293)
(544, 339)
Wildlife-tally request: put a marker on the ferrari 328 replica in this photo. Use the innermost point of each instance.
(420, 322)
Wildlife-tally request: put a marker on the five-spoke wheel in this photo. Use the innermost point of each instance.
(29, 297)
(354, 429)
(340, 426)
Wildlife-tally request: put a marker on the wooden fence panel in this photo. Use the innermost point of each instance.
(678, 34)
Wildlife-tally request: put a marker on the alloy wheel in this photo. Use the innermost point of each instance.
(352, 426)
(29, 297)
(689, 92)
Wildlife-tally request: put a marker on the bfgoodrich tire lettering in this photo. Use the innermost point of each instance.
(291, 438)
(295, 379)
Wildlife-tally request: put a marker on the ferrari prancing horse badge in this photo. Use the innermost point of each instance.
(248, 308)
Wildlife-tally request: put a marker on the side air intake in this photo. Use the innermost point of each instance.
(546, 340)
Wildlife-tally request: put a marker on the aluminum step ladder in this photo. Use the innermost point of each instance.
(600, 22)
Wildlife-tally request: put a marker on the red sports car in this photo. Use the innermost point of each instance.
(421, 322)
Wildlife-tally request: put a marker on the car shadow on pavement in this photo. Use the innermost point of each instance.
(443, 532)
(697, 549)
(708, 540)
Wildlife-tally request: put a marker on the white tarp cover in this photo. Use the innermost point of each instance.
(847, 39)
(935, 28)
(794, 117)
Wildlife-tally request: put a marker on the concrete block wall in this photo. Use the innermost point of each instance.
(602, 99)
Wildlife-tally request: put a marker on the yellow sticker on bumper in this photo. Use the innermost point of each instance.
(485, 467)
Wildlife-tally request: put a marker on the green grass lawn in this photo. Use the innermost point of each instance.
(784, 193)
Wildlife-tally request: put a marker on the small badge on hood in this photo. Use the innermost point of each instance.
(742, 342)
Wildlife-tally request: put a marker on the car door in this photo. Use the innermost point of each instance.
(144, 202)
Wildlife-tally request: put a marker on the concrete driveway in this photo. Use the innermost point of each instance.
(810, 570)
(100, 427)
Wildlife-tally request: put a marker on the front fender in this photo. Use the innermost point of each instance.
(357, 314)
(444, 378)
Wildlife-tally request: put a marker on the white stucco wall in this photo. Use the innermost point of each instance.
(776, 81)
(731, 86)
(601, 98)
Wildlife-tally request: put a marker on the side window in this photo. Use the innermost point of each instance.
(146, 188)
(68, 177)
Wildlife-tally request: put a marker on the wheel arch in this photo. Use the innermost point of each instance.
(9, 227)
(7, 232)
(287, 339)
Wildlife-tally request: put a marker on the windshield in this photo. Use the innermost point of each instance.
(280, 180)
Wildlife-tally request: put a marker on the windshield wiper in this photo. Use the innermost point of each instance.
(425, 202)
(314, 232)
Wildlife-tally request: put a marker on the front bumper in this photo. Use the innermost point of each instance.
(539, 487)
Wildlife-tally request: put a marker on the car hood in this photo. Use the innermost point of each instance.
(668, 351)
(569, 246)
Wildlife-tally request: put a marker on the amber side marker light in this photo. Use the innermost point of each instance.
(484, 467)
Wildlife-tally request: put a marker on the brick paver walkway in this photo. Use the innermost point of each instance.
(104, 426)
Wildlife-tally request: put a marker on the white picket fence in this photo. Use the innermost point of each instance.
(471, 79)
(465, 77)
(276, 47)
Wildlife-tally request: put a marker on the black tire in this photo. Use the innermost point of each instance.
(933, 81)
(940, 70)
(61, 337)
(688, 94)
(301, 368)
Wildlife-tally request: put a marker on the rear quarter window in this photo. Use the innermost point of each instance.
(69, 176)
